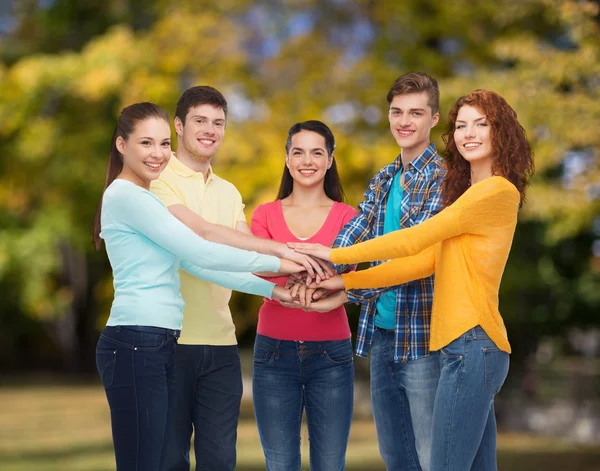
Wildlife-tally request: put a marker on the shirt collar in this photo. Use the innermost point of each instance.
(183, 170)
(421, 162)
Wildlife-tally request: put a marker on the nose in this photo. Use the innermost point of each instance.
(470, 131)
(306, 158)
(208, 129)
(155, 151)
(404, 119)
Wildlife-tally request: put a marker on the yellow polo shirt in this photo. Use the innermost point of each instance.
(206, 316)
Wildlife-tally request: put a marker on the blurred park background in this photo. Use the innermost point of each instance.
(67, 67)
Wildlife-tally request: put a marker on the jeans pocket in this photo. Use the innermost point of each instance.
(455, 349)
(496, 363)
(339, 353)
(149, 342)
(263, 355)
(106, 364)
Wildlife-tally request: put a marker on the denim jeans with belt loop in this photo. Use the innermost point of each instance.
(136, 366)
(464, 423)
(290, 377)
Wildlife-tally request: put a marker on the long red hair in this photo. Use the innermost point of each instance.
(513, 158)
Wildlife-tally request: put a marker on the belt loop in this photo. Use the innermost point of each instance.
(474, 332)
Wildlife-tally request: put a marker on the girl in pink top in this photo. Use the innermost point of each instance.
(303, 360)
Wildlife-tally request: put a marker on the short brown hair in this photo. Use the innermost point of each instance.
(199, 95)
(417, 82)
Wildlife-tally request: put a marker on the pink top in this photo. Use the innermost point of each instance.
(284, 323)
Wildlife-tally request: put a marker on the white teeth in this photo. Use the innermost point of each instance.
(206, 142)
(152, 165)
(471, 145)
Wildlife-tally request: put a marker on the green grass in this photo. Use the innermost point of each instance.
(66, 428)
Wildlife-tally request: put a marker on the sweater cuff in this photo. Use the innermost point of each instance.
(348, 279)
(272, 263)
(266, 289)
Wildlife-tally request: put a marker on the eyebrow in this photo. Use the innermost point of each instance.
(151, 138)
(478, 119)
(301, 148)
(400, 109)
(206, 117)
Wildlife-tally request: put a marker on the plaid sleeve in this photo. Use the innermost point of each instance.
(362, 296)
(433, 205)
(432, 197)
(359, 227)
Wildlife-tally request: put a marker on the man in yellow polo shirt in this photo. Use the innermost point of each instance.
(208, 374)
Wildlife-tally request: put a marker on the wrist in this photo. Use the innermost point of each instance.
(278, 249)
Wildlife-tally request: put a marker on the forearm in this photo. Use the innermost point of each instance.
(402, 243)
(398, 271)
(225, 235)
(242, 282)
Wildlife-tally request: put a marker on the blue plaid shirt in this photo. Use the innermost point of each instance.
(420, 201)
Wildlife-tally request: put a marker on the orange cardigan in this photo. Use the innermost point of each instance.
(466, 245)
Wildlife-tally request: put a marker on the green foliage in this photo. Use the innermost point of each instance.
(68, 69)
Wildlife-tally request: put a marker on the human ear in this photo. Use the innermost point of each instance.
(329, 161)
(178, 126)
(120, 144)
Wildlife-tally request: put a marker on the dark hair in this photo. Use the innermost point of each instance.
(128, 119)
(199, 95)
(513, 159)
(417, 82)
(332, 183)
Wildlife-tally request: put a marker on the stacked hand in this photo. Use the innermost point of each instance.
(323, 294)
(295, 262)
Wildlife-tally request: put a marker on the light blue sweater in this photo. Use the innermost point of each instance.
(145, 245)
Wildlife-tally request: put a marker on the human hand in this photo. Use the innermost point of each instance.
(316, 269)
(321, 293)
(334, 283)
(330, 302)
(288, 266)
(296, 278)
(314, 250)
(282, 295)
(302, 294)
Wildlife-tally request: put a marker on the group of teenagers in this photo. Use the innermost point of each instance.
(437, 231)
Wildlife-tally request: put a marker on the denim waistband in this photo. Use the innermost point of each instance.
(153, 330)
(263, 339)
(476, 332)
(385, 331)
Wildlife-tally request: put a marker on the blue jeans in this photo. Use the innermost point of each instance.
(136, 366)
(208, 397)
(403, 395)
(464, 424)
(292, 376)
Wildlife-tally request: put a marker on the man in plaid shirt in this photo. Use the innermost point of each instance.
(394, 322)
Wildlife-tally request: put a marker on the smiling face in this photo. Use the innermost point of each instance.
(473, 137)
(202, 134)
(146, 151)
(307, 159)
(411, 120)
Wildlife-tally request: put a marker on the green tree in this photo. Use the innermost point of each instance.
(63, 85)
